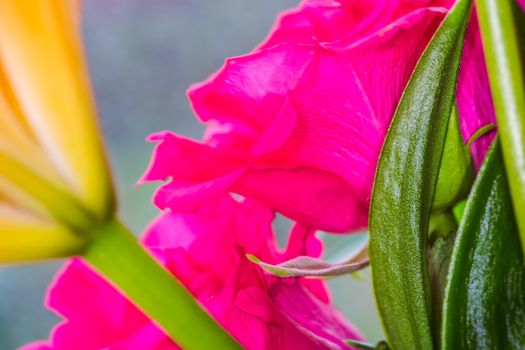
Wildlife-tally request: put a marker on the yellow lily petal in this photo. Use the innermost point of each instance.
(19, 142)
(30, 243)
(17, 138)
(41, 56)
(23, 186)
(17, 197)
(26, 238)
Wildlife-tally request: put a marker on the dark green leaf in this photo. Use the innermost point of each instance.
(440, 253)
(404, 189)
(485, 297)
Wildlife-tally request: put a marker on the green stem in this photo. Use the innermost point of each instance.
(500, 41)
(117, 255)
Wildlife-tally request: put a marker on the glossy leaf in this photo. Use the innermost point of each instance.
(404, 189)
(485, 296)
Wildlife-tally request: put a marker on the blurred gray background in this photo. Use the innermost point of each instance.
(143, 55)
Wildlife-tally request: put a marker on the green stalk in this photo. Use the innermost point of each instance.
(117, 255)
(500, 42)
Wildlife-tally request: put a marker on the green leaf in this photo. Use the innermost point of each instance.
(382, 345)
(439, 258)
(456, 172)
(352, 250)
(485, 296)
(305, 266)
(404, 189)
(506, 72)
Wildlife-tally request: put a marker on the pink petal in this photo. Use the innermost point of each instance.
(250, 89)
(384, 61)
(81, 332)
(198, 172)
(311, 162)
(522, 4)
(249, 317)
(278, 131)
(303, 241)
(169, 231)
(364, 85)
(318, 321)
(186, 160)
(332, 20)
(212, 240)
(38, 345)
(473, 93)
(332, 112)
(210, 261)
(149, 337)
(186, 197)
(314, 198)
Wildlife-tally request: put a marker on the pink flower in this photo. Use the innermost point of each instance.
(206, 251)
(298, 124)
(473, 93)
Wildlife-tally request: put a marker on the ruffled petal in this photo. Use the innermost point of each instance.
(90, 306)
(186, 161)
(252, 88)
(324, 21)
(318, 321)
(312, 160)
(209, 259)
(198, 172)
(332, 114)
(313, 197)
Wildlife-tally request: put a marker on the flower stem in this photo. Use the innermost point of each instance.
(117, 255)
(500, 42)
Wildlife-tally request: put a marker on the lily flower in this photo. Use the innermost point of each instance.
(54, 178)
